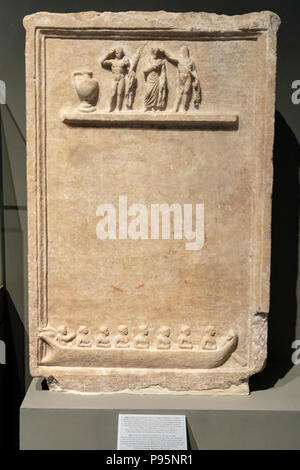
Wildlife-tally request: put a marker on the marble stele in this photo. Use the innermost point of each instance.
(150, 139)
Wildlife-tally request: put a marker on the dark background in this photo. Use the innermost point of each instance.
(283, 326)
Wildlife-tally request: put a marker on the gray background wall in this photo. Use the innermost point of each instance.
(283, 325)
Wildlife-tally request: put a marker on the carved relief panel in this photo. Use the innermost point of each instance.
(149, 181)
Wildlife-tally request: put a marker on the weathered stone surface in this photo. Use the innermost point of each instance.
(149, 108)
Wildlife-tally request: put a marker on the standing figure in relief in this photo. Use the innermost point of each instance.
(156, 82)
(188, 82)
(82, 337)
(209, 341)
(119, 64)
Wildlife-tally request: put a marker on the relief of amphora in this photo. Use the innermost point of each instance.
(87, 89)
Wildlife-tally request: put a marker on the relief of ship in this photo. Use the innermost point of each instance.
(51, 353)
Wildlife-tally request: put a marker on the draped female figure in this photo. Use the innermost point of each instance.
(156, 89)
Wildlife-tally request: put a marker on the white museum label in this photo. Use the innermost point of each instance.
(151, 432)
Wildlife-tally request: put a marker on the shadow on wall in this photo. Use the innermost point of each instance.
(284, 258)
(12, 251)
(14, 389)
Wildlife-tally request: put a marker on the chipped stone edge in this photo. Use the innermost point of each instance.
(263, 22)
(264, 187)
(190, 21)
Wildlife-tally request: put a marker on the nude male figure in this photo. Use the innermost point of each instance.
(188, 82)
(119, 64)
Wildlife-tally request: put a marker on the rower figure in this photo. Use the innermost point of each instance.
(82, 337)
(209, 341)
(141, 341)
(121, 340)
(63, 337)
(184, 341)
(102, 340)
(163, 338)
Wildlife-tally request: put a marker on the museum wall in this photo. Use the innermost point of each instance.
(283, 324)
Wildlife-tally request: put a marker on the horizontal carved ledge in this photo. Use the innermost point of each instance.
(152, 33)
(151, 119)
